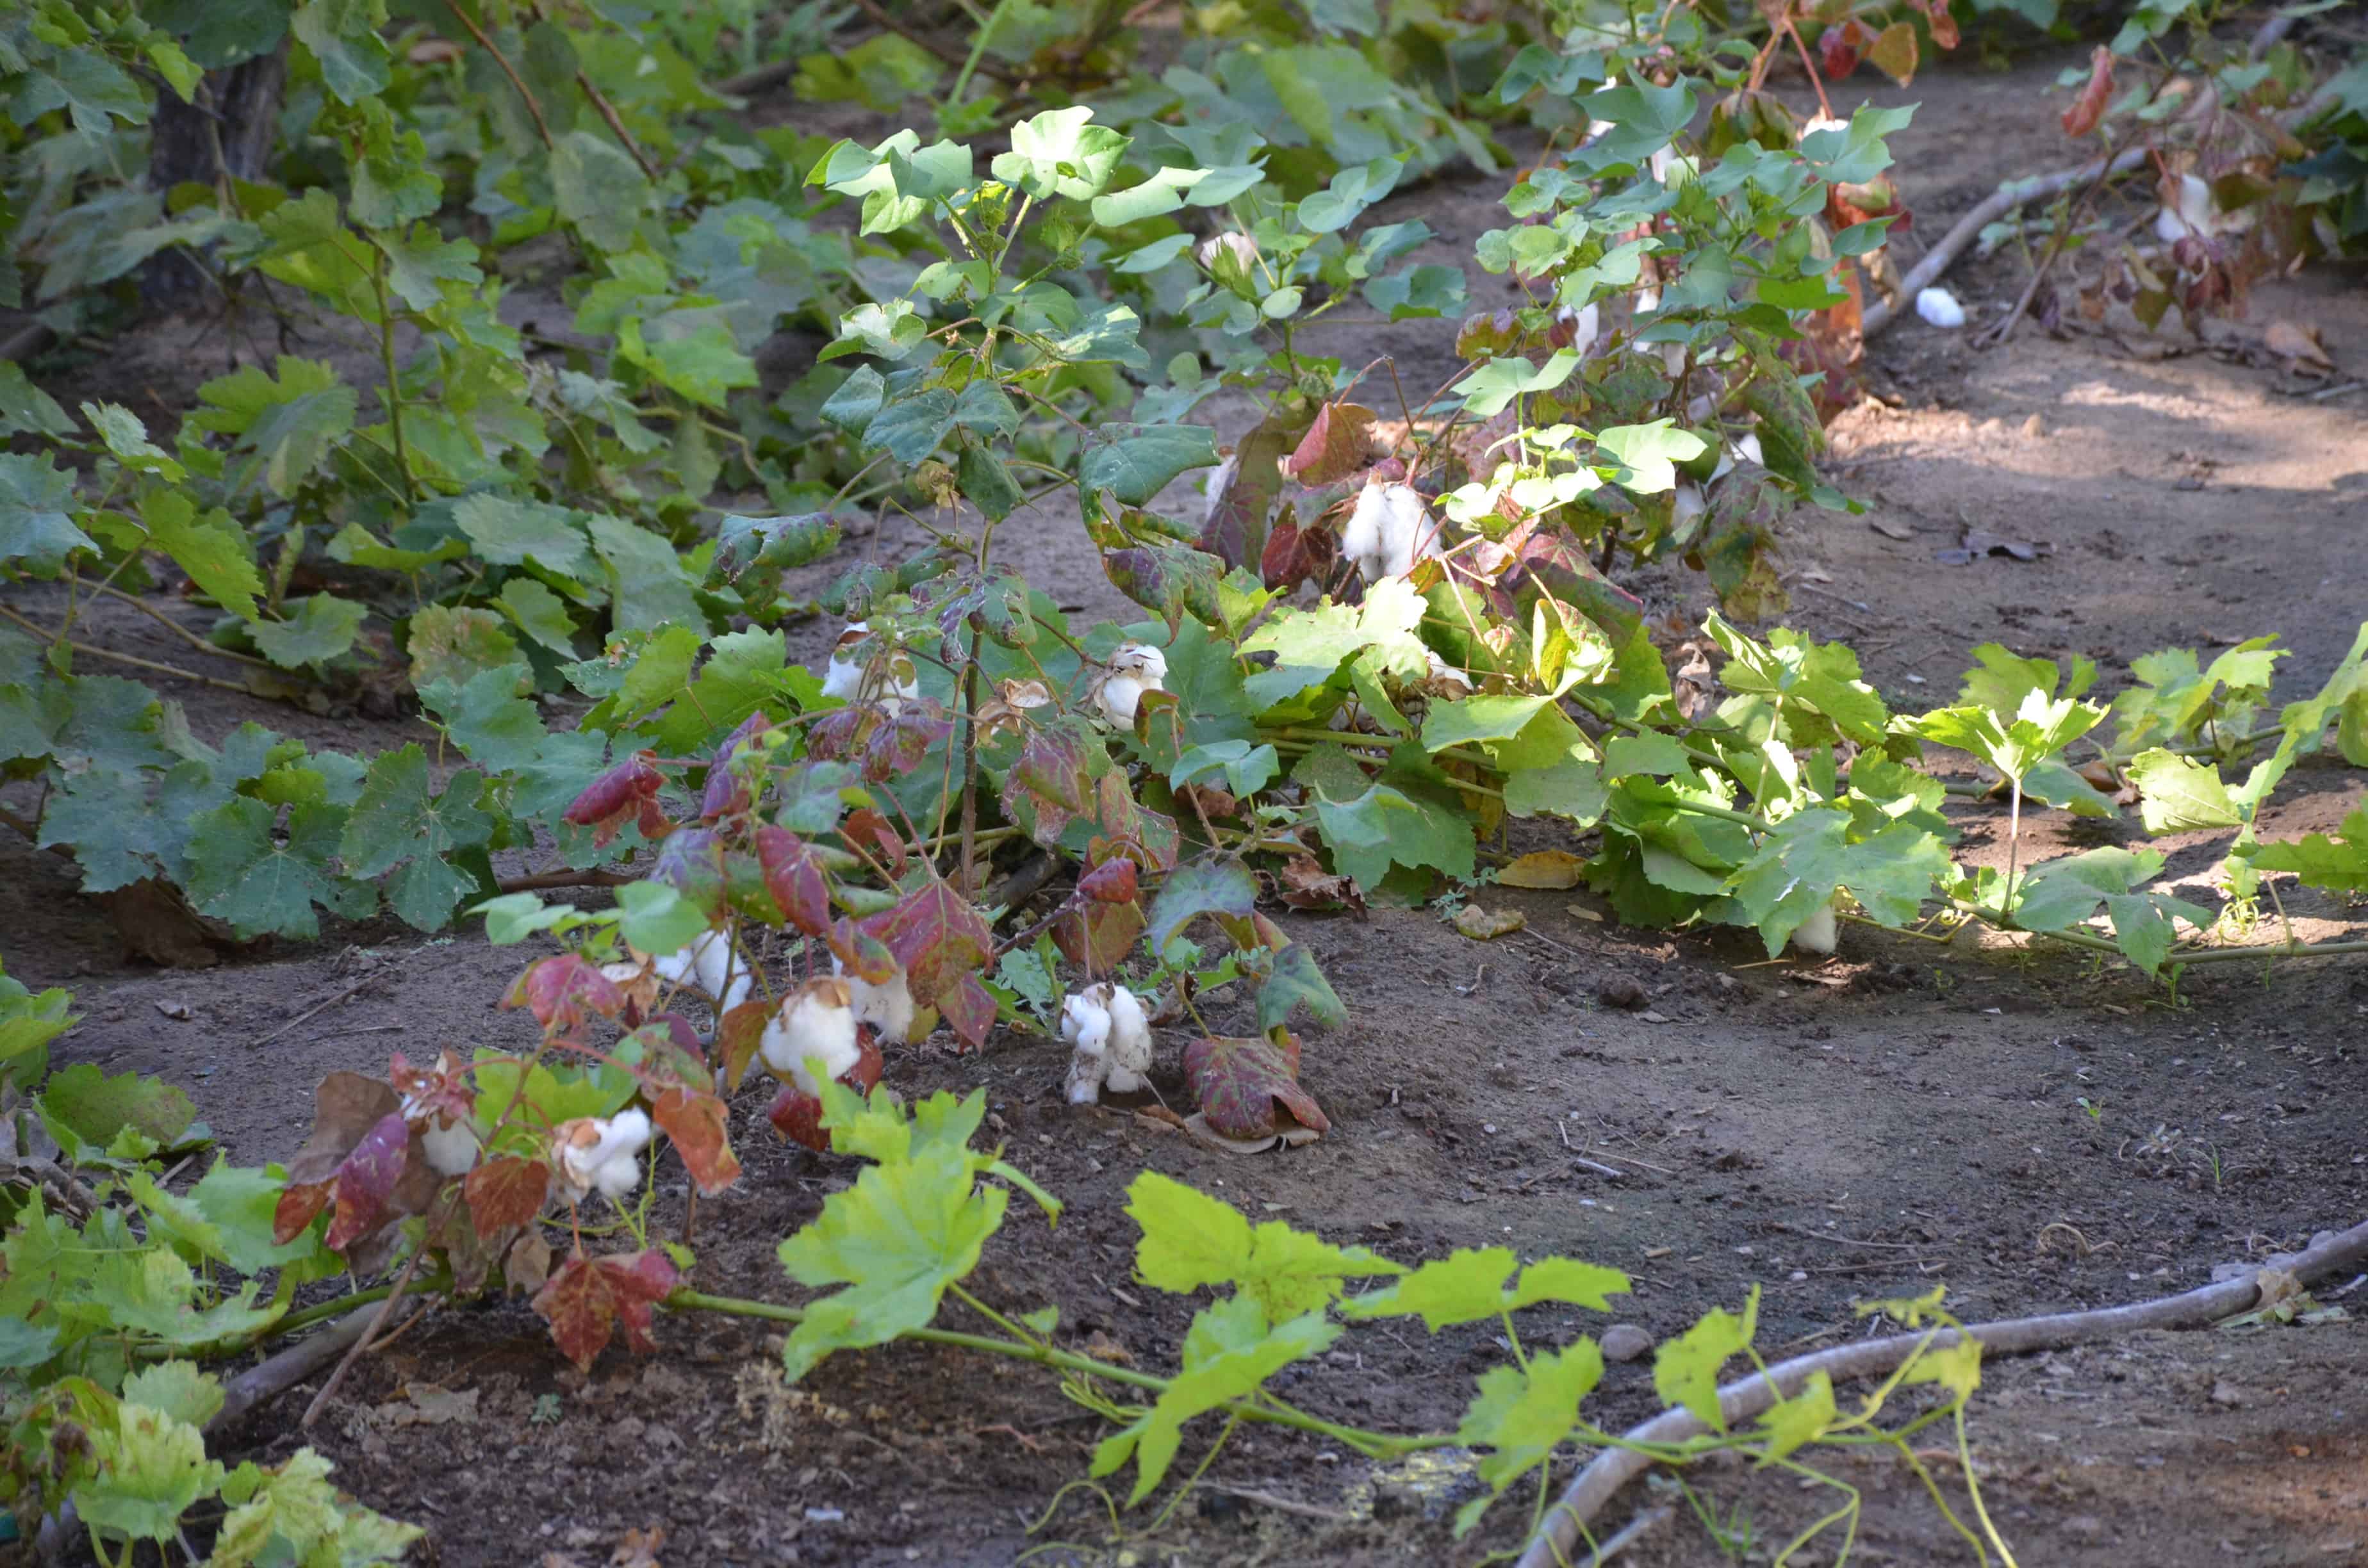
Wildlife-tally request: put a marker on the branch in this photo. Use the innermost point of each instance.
(1595, 1486)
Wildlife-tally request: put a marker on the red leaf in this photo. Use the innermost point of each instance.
(1240, 1084)
(441, 1091)
(628, 789)
(2089, 107)
(296, 1209)
(1235, 530)
(1099, 935)
(864, 824)
(695, 1121)
(1296, 554)
(585, 1300)
(869, 1063)
(563, 991)
(1305, 885)
(345, 1107)
(1050, 776)
(795, 879)
(968, 1008)
(1838, 47)
(694, 863)
(1944, 26)
(366, 1181)
(505, 1192)
(938, 937)
(797, 1114)
(738, 1034)
(896, 745)
(1338, 444)
(861, 953)
(1113, 882)
(727, 793)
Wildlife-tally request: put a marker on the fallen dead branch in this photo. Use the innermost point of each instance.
(1594, 1487)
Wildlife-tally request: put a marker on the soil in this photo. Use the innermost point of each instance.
(2029, 1130)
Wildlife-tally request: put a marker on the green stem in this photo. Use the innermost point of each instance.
(1382, 1443)
(387, 357)
(977, 54)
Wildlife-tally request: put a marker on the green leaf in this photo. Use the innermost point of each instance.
(1385, 826)
(1810, 854)
(343, 37)
(27, 410)
(127, 440)
(37, 499)
(176, 1389)
(540, 613)
(1493, 386)
(240, 1202)
(1229, 1353)
(1060, 153)
(240, 872)
(1648, 455)
(895, 1241)
(211, 549)
(597, 187)
(2041, 727)
(657, 918)
(1522, 1414)
(910, 429)
(509, 531)
(2339, 864)
(1685, 1370)
(2178, 795)
(94, 1106)
(1470, 1285)
(1799, 672)
(454, 643)
(1293, 979)
(891, 330)
(1191, 1240)
(398, 825)
(1209, 885)
(317, 627)
(1643, 120)
(151, 1470)
(285, 425)
(493, 725)
(858, 399)
(1794, 1423)
(1135, 462)
(647, 585)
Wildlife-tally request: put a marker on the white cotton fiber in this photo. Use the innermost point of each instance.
(1940, 308)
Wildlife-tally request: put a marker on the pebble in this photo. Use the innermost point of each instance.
(1625, 1342)
(1621, 991)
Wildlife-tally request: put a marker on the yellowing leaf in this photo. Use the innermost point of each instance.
(1483, 926)
(1553, 868)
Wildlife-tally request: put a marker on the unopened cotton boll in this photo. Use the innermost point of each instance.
(1389, 530)
(707, 964)
(1109, 1040)
(1134, 668)
(817, 1020)
(601, 1154)
(1940, 308)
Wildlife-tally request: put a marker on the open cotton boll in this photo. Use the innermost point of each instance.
(1817, 122)
(1134, 668)
(451, 1148)
(1444, 673)
(850, 673)
(1578, 328)
(707, 964)
(888, 1006)
(1817, 933)
(1389, 530)
(2189, 210)
(815, 1020)
(1686, 506)
(601, 1154)
(1109, 1040)
(1940, 308)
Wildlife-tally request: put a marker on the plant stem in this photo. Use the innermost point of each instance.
(174, 671)
(1043, 1355)
(977, 54)
(387, 357)
(179, 631)
(534, 110)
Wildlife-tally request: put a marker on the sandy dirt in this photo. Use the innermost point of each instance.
(2030, 1131)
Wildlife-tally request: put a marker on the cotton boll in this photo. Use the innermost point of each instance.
(1817, 933)
(707, 964)
(888, 1006)
(1443, 673)
(1940, 307)
(1817, 122)
(1134, 668)
(1745, 448)
(1109, 1040)
(1577, 329)
(1686, 506)
(593, 1153)
(1389, 530)
(451, 1148)
(857, 675)
(2188, 210)
(1220, 481)
(815, 1020)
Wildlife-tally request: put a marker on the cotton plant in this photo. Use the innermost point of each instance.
(1109, 1040)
